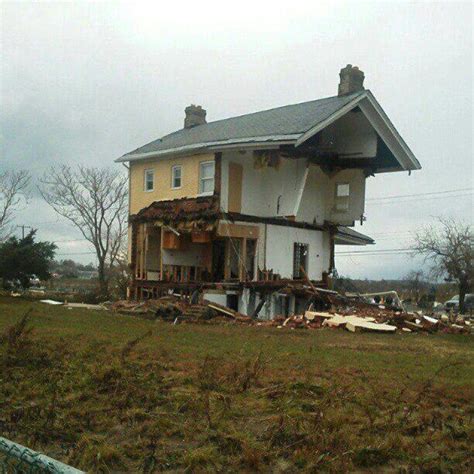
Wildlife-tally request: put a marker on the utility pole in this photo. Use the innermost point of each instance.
(23, 227)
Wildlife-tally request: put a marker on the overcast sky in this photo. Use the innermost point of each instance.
(86, 82)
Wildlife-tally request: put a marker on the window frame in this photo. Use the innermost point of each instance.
(342, 202)
(145, 175)
(201, 179)
(173, 169)
(297, 247)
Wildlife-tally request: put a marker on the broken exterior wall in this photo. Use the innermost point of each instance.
(317, 202)
(139, 198)
(276, 243)
(313, 205)
(269, 191)
(356, 180)
(289, 187)
(193, 255)
(279, 244)
(248, 300)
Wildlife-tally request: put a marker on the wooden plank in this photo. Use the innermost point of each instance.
(227, 260)
(218, 174)
(235, 187)
(238, 231)
(227, 311)
(161, 252)
(242, 260)
(201, 237)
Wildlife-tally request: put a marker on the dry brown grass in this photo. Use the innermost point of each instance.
(111, 393)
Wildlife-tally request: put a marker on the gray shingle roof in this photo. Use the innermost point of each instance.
(347, 236)
(287, 122)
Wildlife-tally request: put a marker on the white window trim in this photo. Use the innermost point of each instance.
(172, 176)
(206, 193)
(145, 172)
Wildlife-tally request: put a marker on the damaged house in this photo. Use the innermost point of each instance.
(246, 209)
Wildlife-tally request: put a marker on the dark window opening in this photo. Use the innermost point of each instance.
(218, 260)
(233, 302)
(235, 249)
(300, 260)
(250, 259)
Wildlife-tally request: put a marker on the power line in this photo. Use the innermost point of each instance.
(69, 240)
(387, 254)
(420, 199)
(74, 253)
(420, 194)
(374, 250)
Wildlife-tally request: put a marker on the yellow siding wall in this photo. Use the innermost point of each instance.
(162, 185)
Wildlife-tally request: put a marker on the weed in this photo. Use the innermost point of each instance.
(17, 336)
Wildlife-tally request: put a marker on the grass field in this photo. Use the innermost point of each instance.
(105, 392)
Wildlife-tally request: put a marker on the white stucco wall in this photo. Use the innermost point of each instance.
(356, 180)
(263, 189)
(317, 204)
(313, 205)
(276, 250)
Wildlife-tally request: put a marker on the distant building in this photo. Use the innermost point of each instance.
(87, 274)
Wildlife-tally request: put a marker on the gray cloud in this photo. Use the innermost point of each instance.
(86, 82)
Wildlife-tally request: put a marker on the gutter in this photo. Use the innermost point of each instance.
(250, 142)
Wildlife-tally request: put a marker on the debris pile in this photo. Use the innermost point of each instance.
(172, 308)
(370, 319)
(351, 314)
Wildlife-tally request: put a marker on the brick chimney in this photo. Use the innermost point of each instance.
(352, 80)
(195, 115)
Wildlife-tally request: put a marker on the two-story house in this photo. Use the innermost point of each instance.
(239, 208)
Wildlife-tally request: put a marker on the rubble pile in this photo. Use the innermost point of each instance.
(370, 318)
(172, 308)
(350, 314)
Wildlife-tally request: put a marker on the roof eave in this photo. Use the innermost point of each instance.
(249, 142)
(343, 237)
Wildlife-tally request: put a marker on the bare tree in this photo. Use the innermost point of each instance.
(415, 279)
(95, 201)
(13, 194)
(450, 248)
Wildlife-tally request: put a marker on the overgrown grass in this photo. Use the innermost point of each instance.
(106, 393)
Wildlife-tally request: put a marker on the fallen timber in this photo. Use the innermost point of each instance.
(325, 309)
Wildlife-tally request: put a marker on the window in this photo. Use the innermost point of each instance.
(149, 180)
(300, 259)
(176, 174)
(341, 200)
(206, 177)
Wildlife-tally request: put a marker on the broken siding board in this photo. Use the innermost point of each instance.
(362, 325)
(161, 252)
(239, 231)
